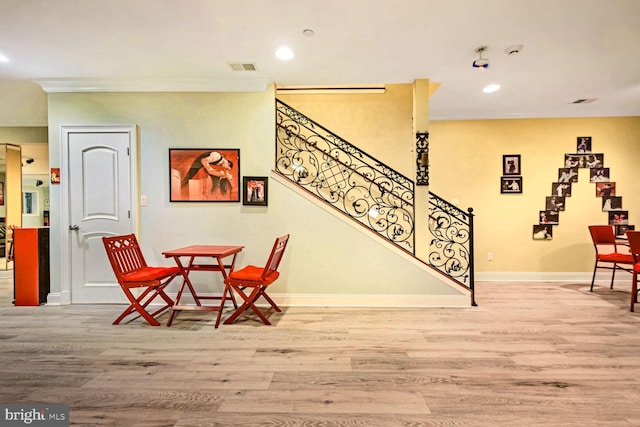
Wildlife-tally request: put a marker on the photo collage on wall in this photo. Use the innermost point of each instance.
(583, 158)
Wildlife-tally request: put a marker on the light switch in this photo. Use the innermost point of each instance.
(143, 200)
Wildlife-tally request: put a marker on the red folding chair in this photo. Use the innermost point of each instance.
(257, 279)
(132, 271)
(634, 244)
(607, 255)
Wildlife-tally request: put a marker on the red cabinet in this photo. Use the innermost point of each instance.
(31, 265)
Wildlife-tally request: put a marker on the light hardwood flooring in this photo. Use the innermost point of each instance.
(531, 354)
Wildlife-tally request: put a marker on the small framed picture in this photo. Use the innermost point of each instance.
(605, 189)
(542, 232)
(611, 203)
(255, 190)
(561, 189)
(511, 184)
(621, 230)
(599, 175)
(583, 144)
(568, 175)
(549, 217)
(511, 164)
(618, 217)
(595, 161)
(554, 203)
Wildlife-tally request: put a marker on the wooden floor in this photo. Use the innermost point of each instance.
(531, 354)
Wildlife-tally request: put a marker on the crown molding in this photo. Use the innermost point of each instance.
(59, 85)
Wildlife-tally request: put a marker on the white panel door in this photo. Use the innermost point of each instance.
(100, 204)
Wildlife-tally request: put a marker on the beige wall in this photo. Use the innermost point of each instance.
(466, 159)
(345, 261)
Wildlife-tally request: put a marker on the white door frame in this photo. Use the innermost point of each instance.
(65, 235)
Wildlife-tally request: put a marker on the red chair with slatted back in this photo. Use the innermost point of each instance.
(131, 271)
(607, 255)
(634, 244)
(257, 279)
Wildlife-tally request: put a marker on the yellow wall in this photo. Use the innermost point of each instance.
(466, 159)
(379, 124)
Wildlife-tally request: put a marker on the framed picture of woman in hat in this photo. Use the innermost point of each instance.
(204, 175)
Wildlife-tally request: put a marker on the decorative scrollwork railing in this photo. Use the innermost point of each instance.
(451, 248)
(344, 176)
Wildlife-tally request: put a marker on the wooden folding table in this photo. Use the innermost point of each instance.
(198, 252)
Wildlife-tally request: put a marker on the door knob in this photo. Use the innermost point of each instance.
(74, 227)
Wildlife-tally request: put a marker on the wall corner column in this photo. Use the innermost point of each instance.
(421, 93)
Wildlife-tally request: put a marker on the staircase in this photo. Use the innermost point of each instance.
(371, 193)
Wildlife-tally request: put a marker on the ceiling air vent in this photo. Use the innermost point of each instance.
(584, 101)
(242, 66)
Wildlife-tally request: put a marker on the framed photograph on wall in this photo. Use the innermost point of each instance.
(542, 232)
(611, 203)
(204, 174)
(605, 189)
(561, 189)
(595, 161)
(599, 175)
(568, 175)
(511, 164)
(511, 184)
(1, 193)
(584, 144)
(554, 203)
(255, 190)
(549, 217)
(618, 217)
(621, 230)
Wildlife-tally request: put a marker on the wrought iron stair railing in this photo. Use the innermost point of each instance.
(371, 193)
(350, 180)
(451, 248)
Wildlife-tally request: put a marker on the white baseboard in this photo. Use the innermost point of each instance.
(383, 301)
(602, 278)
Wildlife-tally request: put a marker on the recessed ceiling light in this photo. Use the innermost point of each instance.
(3, 58)
(284, 53)
(308, 32)
(491, 88)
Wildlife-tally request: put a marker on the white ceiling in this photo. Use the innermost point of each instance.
(573, 49)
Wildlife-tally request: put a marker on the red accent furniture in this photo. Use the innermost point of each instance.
(191, 253)
(131, 271)
(257, 279)
(31, 265)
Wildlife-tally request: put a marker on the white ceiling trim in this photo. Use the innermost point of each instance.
(153, 85)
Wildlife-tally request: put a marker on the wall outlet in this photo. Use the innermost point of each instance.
(489, 256)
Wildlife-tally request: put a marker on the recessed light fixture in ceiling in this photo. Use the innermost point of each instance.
(491, 88)
(514, 49)
(308, 32)
(3, 58)
(284, 52)
(584, 101)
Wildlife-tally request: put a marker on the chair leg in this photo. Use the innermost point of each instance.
(135, 306)
(613, 275)
(634, 290)
(249, 301)
(593, 278)
(270, 301)
(227, 289)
